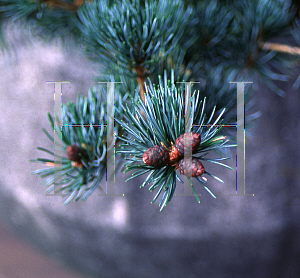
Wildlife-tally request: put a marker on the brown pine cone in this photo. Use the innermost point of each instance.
(194, 170)
(194, 142)
(73, 152)
(156, 156)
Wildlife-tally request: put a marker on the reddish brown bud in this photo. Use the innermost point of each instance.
(174, 155)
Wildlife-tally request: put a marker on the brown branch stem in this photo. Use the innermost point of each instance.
(141, 81)
(60, 4)
(280, 48)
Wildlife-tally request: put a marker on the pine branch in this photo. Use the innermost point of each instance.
(133, 41)
(151, 143)
(84, 139)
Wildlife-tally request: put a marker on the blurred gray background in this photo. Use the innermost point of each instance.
(127, 236)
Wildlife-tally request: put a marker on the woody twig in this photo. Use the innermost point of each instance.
(280, 48)
(140, 70)
(141, 80)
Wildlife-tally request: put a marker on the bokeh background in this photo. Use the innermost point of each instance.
(127, 236)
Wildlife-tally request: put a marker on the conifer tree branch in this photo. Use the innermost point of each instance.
(136, 42)
(164, 124)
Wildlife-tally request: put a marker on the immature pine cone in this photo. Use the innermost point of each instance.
(194, 170)
(73, 153)
(156, 156)
(195, 142)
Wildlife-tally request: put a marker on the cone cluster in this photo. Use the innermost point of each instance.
(159, 155)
